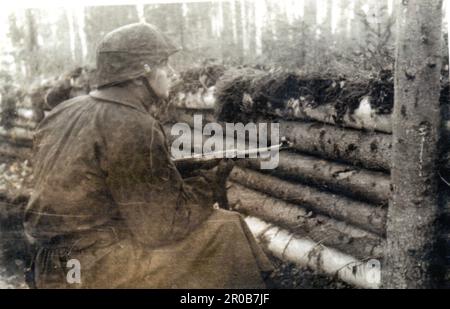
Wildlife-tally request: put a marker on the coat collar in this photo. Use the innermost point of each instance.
(120, 96)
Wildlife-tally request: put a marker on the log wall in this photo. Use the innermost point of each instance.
(332, 188)
(330, 191)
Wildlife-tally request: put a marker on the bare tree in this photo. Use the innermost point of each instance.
(357, 23)
(342, 26)
(31, 44)
(327, 27)
(411, 259)
(310, 21)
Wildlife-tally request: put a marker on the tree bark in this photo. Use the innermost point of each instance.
(342, 26)
(411, 259)
(25, 124)
(302, 251)
(310, 22)
(364, 216)
(361, 184)
(10, 150)
(356, 30)
(18, 136)
(328, 114)
(328, 25)
(300, 221)
(366, 185)
(370, 150)
(31, 44)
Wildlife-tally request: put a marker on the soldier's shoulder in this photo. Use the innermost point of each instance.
(72, 101)
(68, 104)
(128, 119)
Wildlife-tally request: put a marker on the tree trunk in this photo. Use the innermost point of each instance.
(362, 184)
(298, 220)
(342, 26)
(310, 17)
(25, 124)
(328, 114)
(244, 24)
(328, 25)
(31, 45)
(367, 149)
(371, 150)
(226, 37)
(302, 251)
(239, 33)
(356, 30)
(18, 136)
(367, 217)
(8, 149)
(411, 259)
(251, 29)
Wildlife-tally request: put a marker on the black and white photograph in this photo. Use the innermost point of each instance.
(218, 145)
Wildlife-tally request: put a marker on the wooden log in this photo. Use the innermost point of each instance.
(411, 255)
(26, 113)
(201, 99)
(328, 114)
(17, 136)
(366, 185)
(370, 150)
(25, 123)
(367, 149)
(360, 214)
(299, 220)
(14, 151)
(340, 178)
(305, 252)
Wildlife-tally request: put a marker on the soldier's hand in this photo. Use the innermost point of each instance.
(223, 170)
(217, 177)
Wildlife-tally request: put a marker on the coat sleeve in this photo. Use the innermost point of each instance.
(157, 205)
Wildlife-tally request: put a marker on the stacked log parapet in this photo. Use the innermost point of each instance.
(330, 191)
(325, 204)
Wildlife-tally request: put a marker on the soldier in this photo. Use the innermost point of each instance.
(8, 100)
(70, 85)
(108, 196)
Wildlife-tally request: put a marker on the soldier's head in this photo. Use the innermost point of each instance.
(137, 52)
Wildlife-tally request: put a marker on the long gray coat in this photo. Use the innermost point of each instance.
(107, 194)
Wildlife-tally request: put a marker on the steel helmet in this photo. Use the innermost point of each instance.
(130, 52)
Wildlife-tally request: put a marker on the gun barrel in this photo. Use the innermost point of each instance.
(232, 154)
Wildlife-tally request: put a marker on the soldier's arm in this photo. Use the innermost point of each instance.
(156, 203)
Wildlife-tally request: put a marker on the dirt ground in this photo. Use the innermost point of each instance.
(285, 276)
(291, 276)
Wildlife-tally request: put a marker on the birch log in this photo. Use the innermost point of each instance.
(297, 219)
(328, 114)
(305, 252)
(362, 215)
